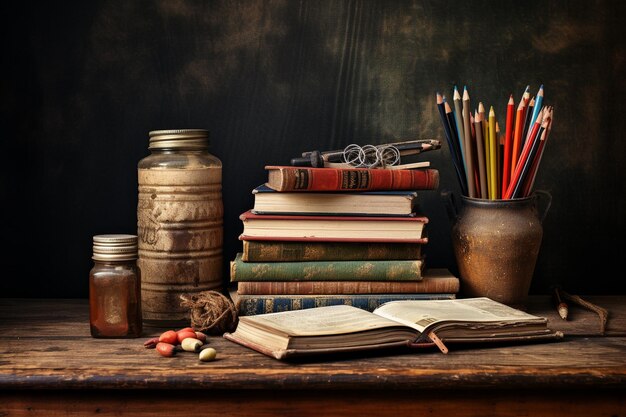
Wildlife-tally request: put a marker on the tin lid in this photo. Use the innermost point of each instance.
(179, 139)
(114, 247)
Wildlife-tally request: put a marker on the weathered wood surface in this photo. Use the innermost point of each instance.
(46, 344)
(311, 403)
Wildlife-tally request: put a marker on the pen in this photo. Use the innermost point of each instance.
(561, 306)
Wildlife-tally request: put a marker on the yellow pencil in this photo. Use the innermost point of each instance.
(493, 183)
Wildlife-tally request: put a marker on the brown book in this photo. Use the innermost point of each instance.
(291, 178)
(435, 280)
(410, 323)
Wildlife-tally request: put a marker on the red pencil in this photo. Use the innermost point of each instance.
(541, 121)
(508, 138)
(517, 135)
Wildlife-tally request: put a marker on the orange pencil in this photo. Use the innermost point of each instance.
(508, 139)
(517, 135)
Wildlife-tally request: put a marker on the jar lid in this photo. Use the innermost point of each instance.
(114, 247)
(179, 139)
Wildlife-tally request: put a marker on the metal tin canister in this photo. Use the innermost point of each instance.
(179, 222)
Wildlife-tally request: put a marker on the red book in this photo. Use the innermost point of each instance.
(292, 178)
(333, 228)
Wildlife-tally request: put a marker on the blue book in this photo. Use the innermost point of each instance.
(250, 305)
(366, 203)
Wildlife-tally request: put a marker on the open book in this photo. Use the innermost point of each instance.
(411, 323)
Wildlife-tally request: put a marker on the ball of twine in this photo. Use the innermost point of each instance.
(210, 312)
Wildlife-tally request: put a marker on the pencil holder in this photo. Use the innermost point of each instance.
(496, 244)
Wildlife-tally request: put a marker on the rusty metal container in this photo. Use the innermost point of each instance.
(179, 222)
(496, 244)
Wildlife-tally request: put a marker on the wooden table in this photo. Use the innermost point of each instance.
(50, 366)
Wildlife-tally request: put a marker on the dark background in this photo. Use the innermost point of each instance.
(84, 82)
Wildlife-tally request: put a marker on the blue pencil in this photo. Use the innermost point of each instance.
(538, 102)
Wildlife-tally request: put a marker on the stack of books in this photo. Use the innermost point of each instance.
(327, 236)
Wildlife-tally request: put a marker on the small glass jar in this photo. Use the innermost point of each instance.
(115, 288)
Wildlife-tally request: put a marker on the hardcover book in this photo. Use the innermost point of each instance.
(333, 228)
(395, 270)
(285, 251)
(364, 203)
(253, 304)
(435, 280)
(343, 328)
(291, 178)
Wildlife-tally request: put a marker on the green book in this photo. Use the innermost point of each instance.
(250, 305)
(395, 270)
(285, 251)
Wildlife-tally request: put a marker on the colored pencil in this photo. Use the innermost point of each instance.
(517, 136)
(538, 104)
(480, 152)
(533, 171)
(493, 149)
(523, 157)
(469, 156)
(453, 144)
(458, 116)
(528, 162)
(527, 115)
(454, 131)
(485, 139)
(508, 145)
(500, 139)
(444, 119)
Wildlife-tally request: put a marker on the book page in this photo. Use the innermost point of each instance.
(419, 314)
(329, 320)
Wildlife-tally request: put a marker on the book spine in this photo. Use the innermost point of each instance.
(249, 305)
(342, 179)
(427, 285)
(408, 270)
(284, 251)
